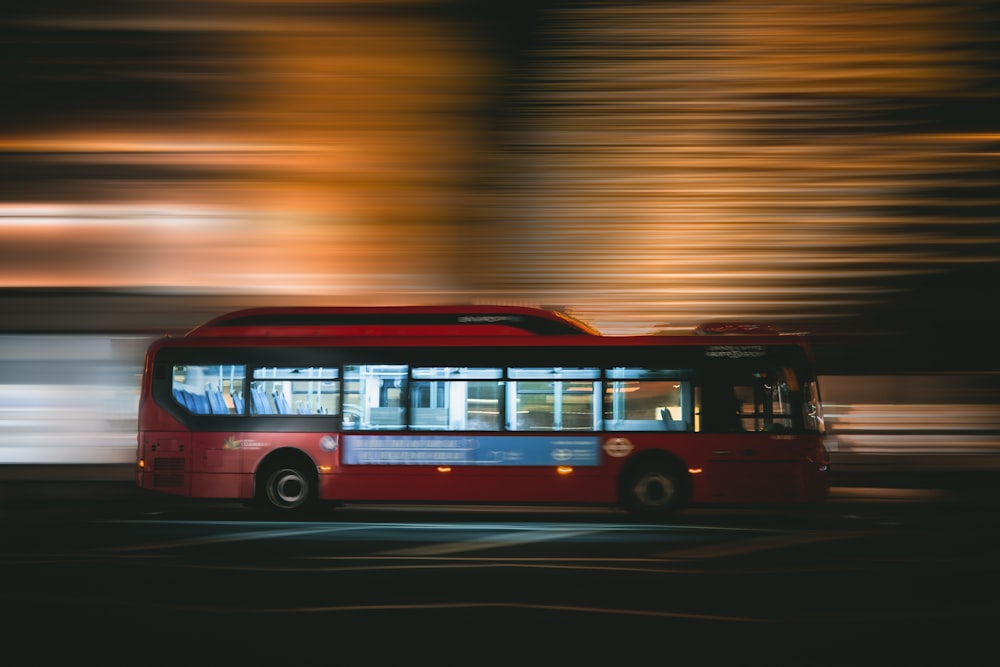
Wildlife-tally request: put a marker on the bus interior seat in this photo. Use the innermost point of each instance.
(216, 404)
(261, 405)
(670, 423)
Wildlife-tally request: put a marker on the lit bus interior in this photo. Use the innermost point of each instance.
(397, 397)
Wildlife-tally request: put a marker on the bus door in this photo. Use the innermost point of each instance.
(753, 437)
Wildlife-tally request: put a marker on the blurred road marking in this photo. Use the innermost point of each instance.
(490, 542)
(233, 537)
(752, 545)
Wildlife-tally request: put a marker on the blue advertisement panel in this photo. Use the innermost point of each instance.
(465, 450)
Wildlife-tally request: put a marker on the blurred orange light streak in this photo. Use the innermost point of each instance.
(656, 163)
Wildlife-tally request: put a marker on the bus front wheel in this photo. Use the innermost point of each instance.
(287, 488)
(654, 491)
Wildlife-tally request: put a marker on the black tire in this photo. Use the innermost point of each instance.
(286, 488)
(654, 491)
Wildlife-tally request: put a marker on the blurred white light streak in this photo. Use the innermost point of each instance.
(170, 216)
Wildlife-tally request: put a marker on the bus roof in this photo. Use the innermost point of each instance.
(393, 321)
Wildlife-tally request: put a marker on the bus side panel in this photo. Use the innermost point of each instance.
(470, 484)
(764, 468)
(216, 465)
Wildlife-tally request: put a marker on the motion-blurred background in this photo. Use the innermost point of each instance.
(831, 168)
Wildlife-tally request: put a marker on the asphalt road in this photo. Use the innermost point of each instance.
(874, 576)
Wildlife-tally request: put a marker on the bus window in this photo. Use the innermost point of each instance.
(456, 399)
(210, 389)
(553, 399)
(373, 397)
(643, 399)
(756, 401)
(764, 401)
(812, 411)
(295, 391)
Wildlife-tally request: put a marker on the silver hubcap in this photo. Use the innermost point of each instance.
(287, 488)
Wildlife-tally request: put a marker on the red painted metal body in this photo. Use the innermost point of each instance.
(224, 458)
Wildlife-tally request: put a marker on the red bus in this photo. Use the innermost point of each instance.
(288, 407)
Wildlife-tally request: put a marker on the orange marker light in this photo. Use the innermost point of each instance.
(564, 470)
(694, 471)
(444, 468)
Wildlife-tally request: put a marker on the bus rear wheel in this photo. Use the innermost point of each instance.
(654, 491)
(287, 488)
